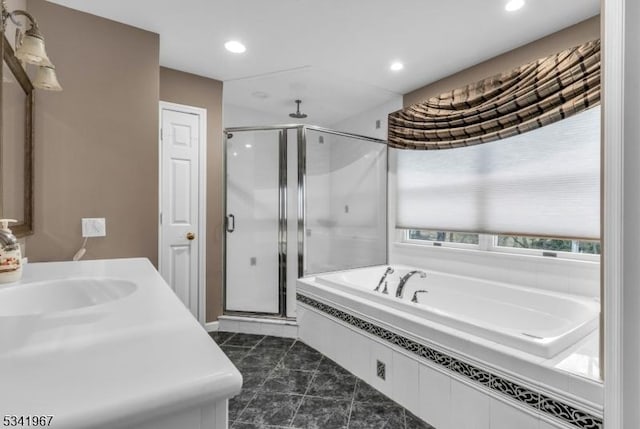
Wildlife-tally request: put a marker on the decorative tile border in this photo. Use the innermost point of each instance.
(538, 401)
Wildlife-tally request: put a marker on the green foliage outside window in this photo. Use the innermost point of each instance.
(451, 237)
(549, 244)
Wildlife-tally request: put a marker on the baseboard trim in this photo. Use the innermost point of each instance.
(264, 326)
(212, 326)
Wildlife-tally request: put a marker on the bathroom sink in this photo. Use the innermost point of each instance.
(61, 295)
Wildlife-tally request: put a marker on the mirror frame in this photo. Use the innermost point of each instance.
(25, 227)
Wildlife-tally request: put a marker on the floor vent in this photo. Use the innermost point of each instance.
(381, 370)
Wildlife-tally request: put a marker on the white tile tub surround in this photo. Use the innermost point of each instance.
(509, 360)
(328, 334)
(571, 276)
(469, 407)
(503, 416)
(436, 396)
(259, 325)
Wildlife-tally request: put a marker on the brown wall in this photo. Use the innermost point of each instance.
(192, 90)
(96, 143)
(556, 42)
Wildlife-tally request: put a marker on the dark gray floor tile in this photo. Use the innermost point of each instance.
(322, 413)
(366, 393)
(253, 377)
(375, 416)
(244, 340)
(329, 366)
(413, 422)
(270, 408)
(307, 361)
(245, 425)
(331, 385)
(300, 347)
(288, 381)
(234, 353)
(278, 342)
(282, 376)
(262, 357)
(239, 402)
(220, 337)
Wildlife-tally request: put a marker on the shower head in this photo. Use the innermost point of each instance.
(298, 115)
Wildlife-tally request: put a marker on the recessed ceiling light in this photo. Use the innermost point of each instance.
(235, 47)
(396, 66)
(513, 5)
(248, 146)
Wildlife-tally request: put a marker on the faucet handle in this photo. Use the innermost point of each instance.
(415, 295)
(385, 291)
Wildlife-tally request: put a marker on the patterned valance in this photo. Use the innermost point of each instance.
(526, 98)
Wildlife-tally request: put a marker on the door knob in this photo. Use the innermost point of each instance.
(190, 236)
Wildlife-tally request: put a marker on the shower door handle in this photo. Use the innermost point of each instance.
(231, 223)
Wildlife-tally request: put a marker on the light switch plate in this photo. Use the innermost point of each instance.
(94, 227)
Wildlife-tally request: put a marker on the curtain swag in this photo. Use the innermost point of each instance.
(526, 98)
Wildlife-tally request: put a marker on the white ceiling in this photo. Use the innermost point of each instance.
(334, 54)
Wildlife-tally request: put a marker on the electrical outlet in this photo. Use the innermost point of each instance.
(94, 227)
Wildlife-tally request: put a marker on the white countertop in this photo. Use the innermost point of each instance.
(112, 364)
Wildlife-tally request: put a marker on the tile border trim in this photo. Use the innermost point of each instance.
(540, 402)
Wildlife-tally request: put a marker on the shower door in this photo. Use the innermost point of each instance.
(255, 221)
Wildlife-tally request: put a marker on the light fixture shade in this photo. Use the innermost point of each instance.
(31, 49)
(46, 79)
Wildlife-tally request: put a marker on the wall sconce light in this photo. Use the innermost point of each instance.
(30, 48)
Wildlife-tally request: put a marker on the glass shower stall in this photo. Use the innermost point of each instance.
(300, 200)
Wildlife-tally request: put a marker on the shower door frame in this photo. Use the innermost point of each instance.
(282, 223)
(283, 219)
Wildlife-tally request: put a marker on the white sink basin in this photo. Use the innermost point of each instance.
(61, 295)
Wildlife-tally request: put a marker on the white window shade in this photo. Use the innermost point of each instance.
(545, 182)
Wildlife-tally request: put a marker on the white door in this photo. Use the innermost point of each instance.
(182, 144)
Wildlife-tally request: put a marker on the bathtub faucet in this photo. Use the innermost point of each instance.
(405, 279)
(415, 295)
(384, 277)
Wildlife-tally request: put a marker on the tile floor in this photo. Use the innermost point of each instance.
(288, 384)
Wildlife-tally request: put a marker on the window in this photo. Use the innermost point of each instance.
(439, 237)
(552, 247)
(549, 244)
(538, 183)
